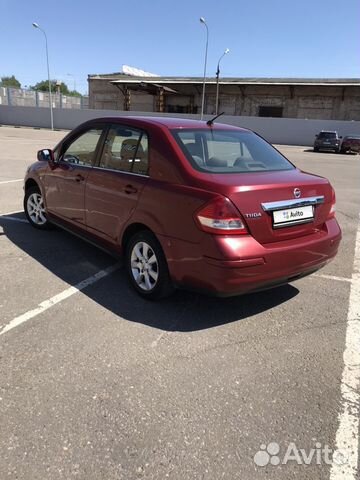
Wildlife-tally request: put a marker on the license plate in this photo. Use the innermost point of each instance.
(326, 143)
(293, 216)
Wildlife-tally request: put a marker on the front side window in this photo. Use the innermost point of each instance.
(82, 150)
(126, 150)
(229, 151)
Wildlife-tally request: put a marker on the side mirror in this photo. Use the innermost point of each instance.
(316, 136)
(340, 136)
(45, 155)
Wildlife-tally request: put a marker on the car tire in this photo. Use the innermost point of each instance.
(34, 209)
(146, 266)
(316, 149)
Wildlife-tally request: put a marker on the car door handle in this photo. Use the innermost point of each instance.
(79, 178)
(130, 189)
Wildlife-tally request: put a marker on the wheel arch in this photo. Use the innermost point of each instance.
(30, 182)
(131, 230)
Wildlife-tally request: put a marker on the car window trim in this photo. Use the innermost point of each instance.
(121, 171)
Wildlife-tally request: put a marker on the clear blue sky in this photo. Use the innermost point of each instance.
(266, 38)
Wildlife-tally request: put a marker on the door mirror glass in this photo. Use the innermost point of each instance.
(45, 155)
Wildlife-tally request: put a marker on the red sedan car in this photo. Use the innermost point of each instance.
(350, 143)
(190, 204)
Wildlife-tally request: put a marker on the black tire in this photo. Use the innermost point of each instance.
(343, 151)
(316, 149)
(34, 209)
(140, 249)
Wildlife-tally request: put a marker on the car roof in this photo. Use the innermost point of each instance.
(169, 122)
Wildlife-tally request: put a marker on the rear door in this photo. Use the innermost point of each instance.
(65, 183)
(115, 184)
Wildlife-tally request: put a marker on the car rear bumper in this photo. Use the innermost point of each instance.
(263, 266)
(327, 147)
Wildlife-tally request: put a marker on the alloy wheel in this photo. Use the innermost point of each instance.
(35, 209)
(144, 266)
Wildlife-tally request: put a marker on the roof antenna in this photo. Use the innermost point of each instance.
(210, 122)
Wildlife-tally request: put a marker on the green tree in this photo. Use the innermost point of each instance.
(10, 82)
(74, 93)
(43, 86)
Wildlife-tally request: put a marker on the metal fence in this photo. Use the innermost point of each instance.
(19, 97)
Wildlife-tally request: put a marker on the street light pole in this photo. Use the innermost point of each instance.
(202, 20)
(36, 25)
(217, 81)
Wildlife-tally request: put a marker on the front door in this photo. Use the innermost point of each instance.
(65, 182)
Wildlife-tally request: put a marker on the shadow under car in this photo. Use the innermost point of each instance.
(72, 260)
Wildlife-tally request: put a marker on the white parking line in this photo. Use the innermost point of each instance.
(13, 219)
(45, 305)
(7, 214)
(347, 435)
(332, 277)
(11, 181)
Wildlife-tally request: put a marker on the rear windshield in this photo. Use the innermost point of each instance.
(229, 151)
(327, 135)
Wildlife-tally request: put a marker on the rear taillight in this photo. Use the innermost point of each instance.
(333, 205)
(220, 216)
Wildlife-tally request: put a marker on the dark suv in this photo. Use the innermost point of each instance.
(327, 141)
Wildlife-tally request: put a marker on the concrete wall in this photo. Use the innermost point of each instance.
(286, 131)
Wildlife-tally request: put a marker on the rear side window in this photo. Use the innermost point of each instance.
(126, 150)
(229, 151)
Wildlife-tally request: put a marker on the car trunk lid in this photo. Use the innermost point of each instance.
(262, 198)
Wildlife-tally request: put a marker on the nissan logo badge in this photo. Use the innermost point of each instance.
(297, 192)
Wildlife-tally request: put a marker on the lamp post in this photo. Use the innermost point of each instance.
(217, 81)
(202, 20)
(36, 25)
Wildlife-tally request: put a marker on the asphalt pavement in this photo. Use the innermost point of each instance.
(96, 383)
